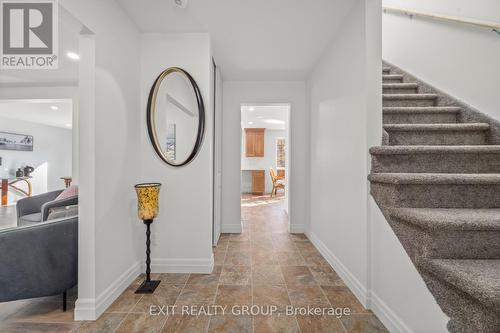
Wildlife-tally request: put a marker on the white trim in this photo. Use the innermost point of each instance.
(159, 265)
(296, 228)
(390, 320)
(350, 280)
(91, 309)
(369, 300)
(231, 229)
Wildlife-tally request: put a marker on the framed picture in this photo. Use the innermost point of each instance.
(170, 142)
(13, 141)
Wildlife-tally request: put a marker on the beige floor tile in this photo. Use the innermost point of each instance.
(107, 323)
(237, 258)
(307, 296)
(173, 278)
(194, 294)
(141, 323)
(27, 327)
(231, 324)
(267, 275)
(320, 324)
(206, 279)
(363, 324)
(234, 295)
(275, 323)
(186, 324)
(298, 276)
(326, 276)
(270, 295)
(236, 275)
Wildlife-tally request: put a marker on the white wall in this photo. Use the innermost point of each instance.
(460, 60)
(346, 225)
(265, 92)
(182, 233)
(51, 156)
(269, 159)
(110, 235)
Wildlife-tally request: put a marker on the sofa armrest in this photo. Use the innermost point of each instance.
(38, 260)
(34, 204)
(57, 203)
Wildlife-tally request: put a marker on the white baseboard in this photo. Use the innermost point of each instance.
(297, 228)
(369, 300)
(390, 320)
(91, 309)
(350, 280)
(182, 265)
(231, 229)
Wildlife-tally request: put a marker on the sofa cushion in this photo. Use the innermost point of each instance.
(61, 212)
(30, 219)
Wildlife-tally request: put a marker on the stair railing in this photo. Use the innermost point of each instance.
(495, 27)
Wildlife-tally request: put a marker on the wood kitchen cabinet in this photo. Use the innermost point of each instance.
(254, 142)
(258, 181)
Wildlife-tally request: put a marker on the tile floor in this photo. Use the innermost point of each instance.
(264, 266)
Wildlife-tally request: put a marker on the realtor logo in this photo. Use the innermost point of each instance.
(29, 34)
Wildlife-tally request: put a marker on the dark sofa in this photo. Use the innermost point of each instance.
(39, 260)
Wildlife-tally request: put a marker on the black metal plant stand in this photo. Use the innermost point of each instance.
(148, 286)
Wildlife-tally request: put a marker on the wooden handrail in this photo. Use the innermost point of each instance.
(467, 21)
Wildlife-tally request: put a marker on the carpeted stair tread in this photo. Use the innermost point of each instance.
(392, 76)
(437, 127)
(477, 278)
(405, 150)
(421, 109)
(400, 85)
(463, 219)
(409, 96)
(435, 178)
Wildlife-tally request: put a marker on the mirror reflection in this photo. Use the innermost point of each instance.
(176, 117)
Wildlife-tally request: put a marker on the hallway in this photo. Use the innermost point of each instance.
(263, 266)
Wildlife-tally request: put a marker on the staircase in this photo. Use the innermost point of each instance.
(436, 179)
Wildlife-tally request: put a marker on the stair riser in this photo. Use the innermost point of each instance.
(466, 315)
(409, 102)
(436, 195)
(392, 80)
(420, 118)
(437, 163)
(400, 90)
(450, 244)
(433, 138)
(386, 71)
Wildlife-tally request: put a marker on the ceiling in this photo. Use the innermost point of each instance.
(51, 112)
(272, 116)
(251, 39)
(66, 74)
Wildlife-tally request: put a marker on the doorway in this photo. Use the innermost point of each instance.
(265, 156)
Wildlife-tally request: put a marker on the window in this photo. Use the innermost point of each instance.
(280, 152)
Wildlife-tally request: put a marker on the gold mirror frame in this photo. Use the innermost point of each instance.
(151, 112)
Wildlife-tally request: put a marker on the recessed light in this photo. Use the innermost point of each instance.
(73, 55)
(53, 107)
(250, 123)
(251, 108)
(68, 125)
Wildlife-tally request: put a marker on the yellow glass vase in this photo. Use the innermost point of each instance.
(147, 200)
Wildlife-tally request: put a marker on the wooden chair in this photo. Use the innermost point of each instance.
(277, 182)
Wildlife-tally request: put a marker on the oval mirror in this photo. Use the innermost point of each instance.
(176, 117)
